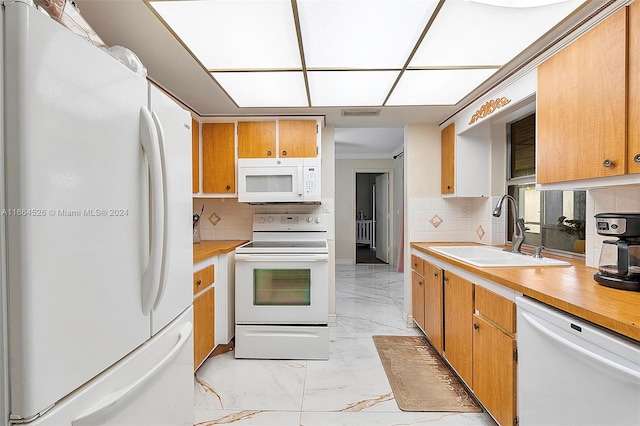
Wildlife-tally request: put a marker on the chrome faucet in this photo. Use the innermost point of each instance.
(518, 229)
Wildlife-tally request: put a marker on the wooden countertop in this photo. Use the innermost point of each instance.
(569, 288)
(208, 248)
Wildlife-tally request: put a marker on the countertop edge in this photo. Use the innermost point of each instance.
(209, 248)
(628, 329)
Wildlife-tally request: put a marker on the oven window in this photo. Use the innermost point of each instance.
(269, 183)
(284, 287)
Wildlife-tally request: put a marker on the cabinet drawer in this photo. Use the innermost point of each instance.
(417, 264)
(495, 308)
(202, 279)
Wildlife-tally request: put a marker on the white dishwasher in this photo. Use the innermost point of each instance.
(572, 372)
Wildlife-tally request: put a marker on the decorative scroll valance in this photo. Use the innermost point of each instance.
(488, 108)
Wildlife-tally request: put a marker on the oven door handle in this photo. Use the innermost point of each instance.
(282, 257)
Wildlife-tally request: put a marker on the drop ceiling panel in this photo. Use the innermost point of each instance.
(470, 33)
(436, 87)
(361, 34)
(350, 88)
(264, 89)
(235, 35)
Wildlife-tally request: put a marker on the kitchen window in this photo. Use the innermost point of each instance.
(555, 219)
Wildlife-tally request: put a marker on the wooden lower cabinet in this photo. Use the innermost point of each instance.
(203, 326)
(204, 303)
(433, 306)
(417, 299)
(458, 325)
(494, 370)
(494, 360)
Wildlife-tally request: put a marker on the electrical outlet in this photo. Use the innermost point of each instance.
(464, 212)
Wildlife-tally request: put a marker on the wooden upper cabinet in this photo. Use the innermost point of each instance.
(195, 156)
(298, 138)
(257, 139)
(582, 106)
(448, 139)
(218, 158)
(633, 135)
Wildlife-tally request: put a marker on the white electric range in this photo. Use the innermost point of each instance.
(282, 289)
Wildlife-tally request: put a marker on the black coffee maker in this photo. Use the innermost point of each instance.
(620, 259)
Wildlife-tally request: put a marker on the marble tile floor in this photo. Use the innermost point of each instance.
(350, 388)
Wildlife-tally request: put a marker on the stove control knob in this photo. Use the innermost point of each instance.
(309, 219)
(269, 219)
(318, 219)
(261, 219)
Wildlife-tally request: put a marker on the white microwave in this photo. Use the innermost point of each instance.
(279, 180)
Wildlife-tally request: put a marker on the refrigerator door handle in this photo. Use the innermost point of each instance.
(150, 144)
(583, 351)
(166, 242)
(102, 407)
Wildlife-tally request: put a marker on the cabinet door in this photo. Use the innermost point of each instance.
(458, 324)
(203, 326)
(195, 156)
(633, 152)
(257, 139)
(581, 106)
(433, 315)
(218, 158)
(448, 139)
(494, 370)
(298, 138)
(417, 299)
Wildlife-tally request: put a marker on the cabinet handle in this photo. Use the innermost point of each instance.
(199, 282)
(448, 186)
(435, 274)
(475, 326)
(228, 187)
(446, 278)
(284, 152)
(268, 152)
(636, 158)
(607, 163)
(419, 282)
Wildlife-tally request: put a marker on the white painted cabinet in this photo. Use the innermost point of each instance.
(224, 265)
(471, 163)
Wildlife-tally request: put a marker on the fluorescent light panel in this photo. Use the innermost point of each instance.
(468, 33)
(436, 87)
(361, 34)
(239, 34)
(264, 89)
(350, 88)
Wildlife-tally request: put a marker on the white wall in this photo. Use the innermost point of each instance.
(345, 173)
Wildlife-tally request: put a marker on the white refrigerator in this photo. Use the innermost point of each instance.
(96, 256)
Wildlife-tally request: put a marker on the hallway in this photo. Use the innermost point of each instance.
(350, 388)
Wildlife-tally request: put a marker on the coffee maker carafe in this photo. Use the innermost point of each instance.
(619, 259)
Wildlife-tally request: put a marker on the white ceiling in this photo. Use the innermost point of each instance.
(453, 42)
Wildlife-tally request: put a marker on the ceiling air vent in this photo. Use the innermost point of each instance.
(361, 112)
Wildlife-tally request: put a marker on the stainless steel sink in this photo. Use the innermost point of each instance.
(488, 256)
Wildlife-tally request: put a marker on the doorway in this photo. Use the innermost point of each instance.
(372, 218)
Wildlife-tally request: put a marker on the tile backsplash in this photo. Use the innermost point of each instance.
(470, 220)
(227, 219)
(623, 199)
(455, 219)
